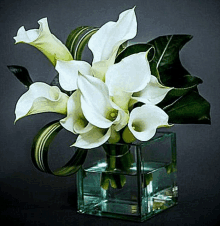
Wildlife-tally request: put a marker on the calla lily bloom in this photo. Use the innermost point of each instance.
(41, 98)
(75, 122)
(145, 120)
(43, 40)
(130, 75)
(105, 42)
(97, 107)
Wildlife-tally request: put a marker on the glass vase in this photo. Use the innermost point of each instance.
(129, 181)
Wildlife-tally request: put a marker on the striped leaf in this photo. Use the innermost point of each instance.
(40, 149)
(78, 39)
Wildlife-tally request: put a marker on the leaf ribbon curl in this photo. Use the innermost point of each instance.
(40, 149)
(78, 39)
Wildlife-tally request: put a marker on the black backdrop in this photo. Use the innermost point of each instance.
(29, 197)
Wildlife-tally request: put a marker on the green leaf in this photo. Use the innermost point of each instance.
(136, 48)
(183, 104)
(40, 150)
(21, 74)
(166, 62)
(78, 39)
(189, 108)
(174, 95)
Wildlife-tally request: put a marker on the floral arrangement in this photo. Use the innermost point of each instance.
(125, 95)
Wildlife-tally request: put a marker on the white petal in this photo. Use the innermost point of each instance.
(112, 34)
(154, 92)
(94, 138)
(41, 98)
(130, 75)
(75, 121)
(96, 105)
(69, 72)
(145, 120)
(43, 40)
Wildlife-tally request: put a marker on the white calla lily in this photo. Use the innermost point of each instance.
(75, 121)
(69, 72)
(145, 120)
(96, 103)
(41, 98)
(130, 75)
(154, 92)
(94, 138)
(105, 42)
(43, 40)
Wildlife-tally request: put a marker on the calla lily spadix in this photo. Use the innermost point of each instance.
(41, 98)
(43, 40)
(105, 42)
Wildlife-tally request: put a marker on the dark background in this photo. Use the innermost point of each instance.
(29, 197)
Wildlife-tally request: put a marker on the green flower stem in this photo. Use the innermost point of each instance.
(111, 161)
(119, 161)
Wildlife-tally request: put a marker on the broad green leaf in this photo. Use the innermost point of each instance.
(166, 62)
(183, 104)
(189, 108)
(174, 95)
(40, 150)
(22, 74)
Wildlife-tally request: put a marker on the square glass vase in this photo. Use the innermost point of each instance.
(129, 181)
